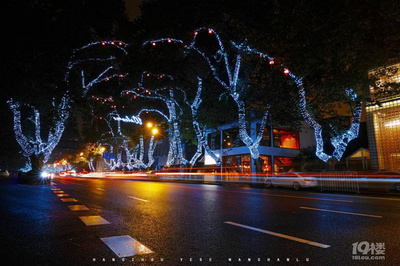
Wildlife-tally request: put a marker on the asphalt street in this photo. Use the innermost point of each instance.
(76, 221)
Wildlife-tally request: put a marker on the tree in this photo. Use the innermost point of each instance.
(43, 34)
(34, 148)
(90, 153)
(330, 45)
(167, 96)
(226, 68)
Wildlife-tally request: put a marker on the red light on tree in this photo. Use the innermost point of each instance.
(271, 62)
(286, 71)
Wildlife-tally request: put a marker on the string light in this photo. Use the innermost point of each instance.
(174, 136)
(232, 88)
(35, 146)
(339, 142)
(200, 131)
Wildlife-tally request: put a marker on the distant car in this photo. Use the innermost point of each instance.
(294, 180)
(4, 173)
(47, 175)
(381, 181)
(67, 173)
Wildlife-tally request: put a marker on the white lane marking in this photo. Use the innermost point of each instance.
(312, 243)
(62, 195)
(351, 213)
(125, 246)
(101, 189)
(287, 196)
(137, 199)
(93, 220)
(377, 198)
(78, 208)
(69, 200)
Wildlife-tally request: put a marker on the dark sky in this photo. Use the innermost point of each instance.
(132, 8)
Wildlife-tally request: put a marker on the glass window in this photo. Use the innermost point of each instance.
(284, 138)
(231, 139)
(283, 164)
(267, 167)
(237, 163)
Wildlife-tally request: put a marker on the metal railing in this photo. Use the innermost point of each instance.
(339, 181)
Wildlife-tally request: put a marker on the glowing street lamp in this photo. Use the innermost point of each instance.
(154, 131)
(149, 124)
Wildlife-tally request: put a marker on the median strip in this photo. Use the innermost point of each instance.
(350, 213)
(308, 242)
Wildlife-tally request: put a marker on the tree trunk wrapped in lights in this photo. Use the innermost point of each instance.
(119, 140)
(340, 141)
(34, 148)
(200, 133)
(175, 151)
(229, 81)
(231, 85)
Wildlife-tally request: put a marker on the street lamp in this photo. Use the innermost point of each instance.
(154, 131)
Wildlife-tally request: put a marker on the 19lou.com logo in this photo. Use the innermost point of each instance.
(368, 251)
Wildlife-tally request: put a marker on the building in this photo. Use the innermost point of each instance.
(277, 148)
(383, 120)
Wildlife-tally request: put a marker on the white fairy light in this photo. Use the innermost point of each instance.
(339, 142)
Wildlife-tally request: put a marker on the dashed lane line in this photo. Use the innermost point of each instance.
(93, 220)
(69, 200)
(308, 242)
(62, 195)
(125, 246)
(78, 208)
(342, 212)
(138, 199)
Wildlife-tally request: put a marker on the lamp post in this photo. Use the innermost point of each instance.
(154, 130)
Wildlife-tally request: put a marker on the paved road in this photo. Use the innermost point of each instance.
(164, 223)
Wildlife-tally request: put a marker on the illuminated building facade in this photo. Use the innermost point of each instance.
(278, 147)
(383, 121)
